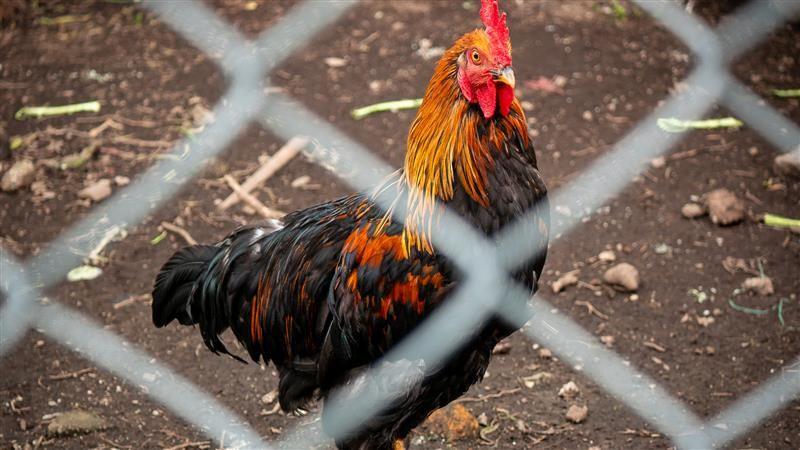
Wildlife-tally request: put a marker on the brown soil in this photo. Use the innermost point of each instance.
(150, 81)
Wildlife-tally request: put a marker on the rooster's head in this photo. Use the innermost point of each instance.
(484, 63)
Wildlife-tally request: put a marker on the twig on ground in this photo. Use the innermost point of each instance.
(483, 398)
(94, 256)
(253, 202)
(273, 164)
(272, 411)
(786, 93)
(592, 310)
(75, 374)
(396, 105)
(201, 444)
(654, 346)
(140, 142)
(131, 300)
(180, 232)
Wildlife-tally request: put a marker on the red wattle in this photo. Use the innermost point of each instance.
(505, 97)
(487, 99)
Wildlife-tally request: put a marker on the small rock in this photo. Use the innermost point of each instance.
(761, 286)
(624, 276)
(502, 348)
(545, 353)
(566, 280)
(659, 162)
(588, 116)
(483, 419)
(788, 164)
(577, 414)
(693, 211)
(710, 350)
(608, 340)
(705, 321)
(569, 391)
(269, 397)
(724, 207)
(96, 191)
(121, 180)
(335, 62)
(20, 175)
(454, 422)
(607, 256)
(76, 422)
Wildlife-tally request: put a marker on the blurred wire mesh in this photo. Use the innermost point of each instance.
(247, 65)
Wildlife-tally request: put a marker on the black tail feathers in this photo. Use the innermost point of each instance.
(175, 284)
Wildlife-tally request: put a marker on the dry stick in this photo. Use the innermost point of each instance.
(253, 202)
(273, 164)
(180, 232)
(76, 374)
(131, 300)
(190, 444)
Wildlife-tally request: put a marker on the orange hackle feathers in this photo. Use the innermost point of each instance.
(446, 147)
(496, 28)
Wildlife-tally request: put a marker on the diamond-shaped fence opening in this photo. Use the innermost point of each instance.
(488, 264)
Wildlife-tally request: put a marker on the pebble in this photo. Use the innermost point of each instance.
(569, 391)
(607, 256)
(624, 276)
(693, 210)
(788, 164)
(724, 207)
(333, 61)
(761, 286)
(96, 191)
(545, 353)
(19, 176)
(658, 163)
(577, 414)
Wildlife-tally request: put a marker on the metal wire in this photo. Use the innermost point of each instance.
(488, 289)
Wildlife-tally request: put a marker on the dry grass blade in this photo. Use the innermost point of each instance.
(269, 168)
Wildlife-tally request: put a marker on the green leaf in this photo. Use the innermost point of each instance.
(786, 93)
(84, 273)
(47, 111)
(156, 240)
(675, 125)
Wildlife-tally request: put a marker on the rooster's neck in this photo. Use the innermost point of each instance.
(451, 147)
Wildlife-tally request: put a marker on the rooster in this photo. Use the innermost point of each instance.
(328, 290)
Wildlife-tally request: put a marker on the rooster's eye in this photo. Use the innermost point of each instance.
(476, 57)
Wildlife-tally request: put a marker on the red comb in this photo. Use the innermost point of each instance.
(497, 30)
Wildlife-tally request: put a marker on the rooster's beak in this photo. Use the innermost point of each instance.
(505, 76)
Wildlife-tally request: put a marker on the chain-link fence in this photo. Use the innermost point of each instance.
(247, 63)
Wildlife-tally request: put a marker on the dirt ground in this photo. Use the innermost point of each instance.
(684, 326)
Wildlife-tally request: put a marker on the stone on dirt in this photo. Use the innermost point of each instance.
(624, 276)
(76, 422)
(96, 191)
(577, 414)
(788, 164)
(18, 176)
(569, 391)
(607, 256)
(761, 286)
(454, 422)
(724, 207)
(693, 211)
